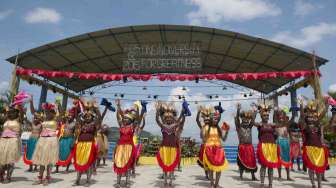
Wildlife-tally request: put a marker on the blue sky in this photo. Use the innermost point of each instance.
(308, 25)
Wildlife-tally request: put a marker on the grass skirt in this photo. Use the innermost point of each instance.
(46, 151)
(10, 149)
(103, 145)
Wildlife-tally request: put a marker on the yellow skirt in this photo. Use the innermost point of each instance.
(122, 155)
(102, 145)
(10, 149)
(268, 155)
(168, 158)
(315, 158)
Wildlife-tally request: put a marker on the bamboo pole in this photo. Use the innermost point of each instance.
(14, 81)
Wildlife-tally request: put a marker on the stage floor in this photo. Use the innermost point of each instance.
(149, 176)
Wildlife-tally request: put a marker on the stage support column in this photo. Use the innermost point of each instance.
(43, 96)
(65, 101)
(293, 97)
(276, 100)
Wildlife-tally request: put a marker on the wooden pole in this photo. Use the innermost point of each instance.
(316, 85)
(14, 81)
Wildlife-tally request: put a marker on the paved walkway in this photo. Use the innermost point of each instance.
(148, 176)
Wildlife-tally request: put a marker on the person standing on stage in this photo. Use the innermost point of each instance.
(295, 142)
(267, 148)
(103, 145)
(124, 154)
(168, 155)
(314, 153)
(47, 147)
(246, 158)
(35, 128)
(214, 160)
(10, 141)
(282, 125)
(66, 139)
(85, 150)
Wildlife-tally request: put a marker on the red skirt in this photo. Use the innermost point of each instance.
(246, 157)
(200, 156)
(295, 149)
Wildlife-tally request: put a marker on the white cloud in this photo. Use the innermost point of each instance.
(4, 14)
(303, 8)
(332, 88)
(43, 15)
(307, 36)
(230, 10)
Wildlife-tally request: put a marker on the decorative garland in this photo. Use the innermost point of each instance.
(167, 77)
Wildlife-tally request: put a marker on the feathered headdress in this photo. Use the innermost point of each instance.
(246, 114)
(48, 106)
(168, 108)
(311, 106)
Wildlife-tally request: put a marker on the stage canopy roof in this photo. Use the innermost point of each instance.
(222, 52)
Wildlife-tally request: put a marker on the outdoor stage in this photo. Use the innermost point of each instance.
(148, 176)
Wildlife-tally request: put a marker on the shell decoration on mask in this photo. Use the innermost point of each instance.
(168, 109)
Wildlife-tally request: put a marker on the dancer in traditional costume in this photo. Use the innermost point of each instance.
(282, 125)
(314, 153)
(124, 153)
(168, 155)
(295, 142)
(137, 143)
(267, 148)
(102, 134)
(47, 147)
(35, 128)
(214, 160)
(85, 150)
(246, 158)
(10, 142)
(66, 137)
(103, 145)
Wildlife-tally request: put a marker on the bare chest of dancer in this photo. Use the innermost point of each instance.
(244, 132)
(69, 129)
(282, 132)
(36, 129)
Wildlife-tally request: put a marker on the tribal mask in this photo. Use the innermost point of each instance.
(311, 112)
(246, 117)
(168, 113)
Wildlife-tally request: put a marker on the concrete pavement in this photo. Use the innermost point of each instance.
(149, 176)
